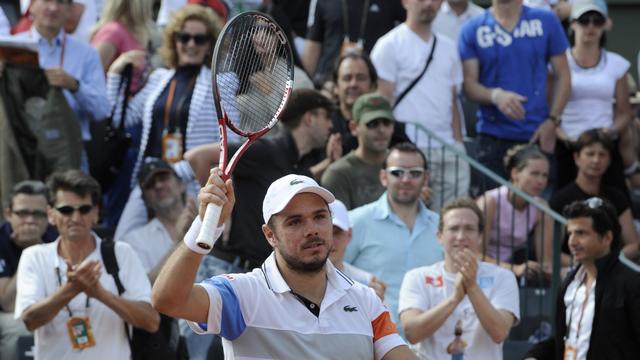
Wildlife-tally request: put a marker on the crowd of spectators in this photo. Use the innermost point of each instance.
(554, 119)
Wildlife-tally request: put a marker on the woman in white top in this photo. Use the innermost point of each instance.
(599, 94)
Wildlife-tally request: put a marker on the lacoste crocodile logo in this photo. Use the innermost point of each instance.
(296, 182)
(348, 308)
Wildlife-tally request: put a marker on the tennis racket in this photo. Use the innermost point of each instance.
(252, 78)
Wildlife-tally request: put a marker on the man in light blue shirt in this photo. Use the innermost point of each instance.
(69, 63)
(396, 233)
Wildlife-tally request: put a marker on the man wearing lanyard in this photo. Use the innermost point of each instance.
(459, 307)
(63, 294)
(598, 309)
(68, 63)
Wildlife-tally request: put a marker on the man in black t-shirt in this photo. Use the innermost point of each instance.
(592, 155)
(326, 34)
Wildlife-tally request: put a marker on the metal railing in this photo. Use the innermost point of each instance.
(543, 292)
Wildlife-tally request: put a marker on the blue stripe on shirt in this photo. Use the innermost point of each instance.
(231, 320)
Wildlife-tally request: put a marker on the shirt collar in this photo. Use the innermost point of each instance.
(383, 210)
(336, 280)
(59, 261)
(445, 8)
(39, 38)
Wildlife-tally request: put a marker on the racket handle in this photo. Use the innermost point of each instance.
(209, 224)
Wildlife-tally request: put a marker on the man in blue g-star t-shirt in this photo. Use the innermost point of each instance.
(505, 54)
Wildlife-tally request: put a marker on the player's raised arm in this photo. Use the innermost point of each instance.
(174, 292)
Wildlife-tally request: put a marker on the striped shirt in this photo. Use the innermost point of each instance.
(259, 317)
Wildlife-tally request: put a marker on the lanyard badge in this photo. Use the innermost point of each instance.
(569, 353)
(80, 333)
(171, 146)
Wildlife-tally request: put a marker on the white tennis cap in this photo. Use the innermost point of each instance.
(340, 215)
(281, 192)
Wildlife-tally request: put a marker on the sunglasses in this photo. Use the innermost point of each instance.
(68, 210)
(375, 123)
(400, 172)
(37, 214)
(594, 202)
(596, 20)
(184, 38)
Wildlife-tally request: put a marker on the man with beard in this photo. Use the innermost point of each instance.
(164, 197)
(297, 305)
(400, 57)
(353, 179)
(397, 232)
(460, 306)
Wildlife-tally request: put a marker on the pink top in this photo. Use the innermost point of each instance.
(509, 225)
(123, 40)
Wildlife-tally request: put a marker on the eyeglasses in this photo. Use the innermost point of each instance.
(37, 214)
(184, 38)
(401, 172)
(377, 122)
(594, 202)
(68, 210)
(595, 19)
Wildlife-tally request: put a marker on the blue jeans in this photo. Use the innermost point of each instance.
(199, 345)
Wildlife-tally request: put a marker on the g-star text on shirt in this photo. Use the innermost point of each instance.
(527, 28)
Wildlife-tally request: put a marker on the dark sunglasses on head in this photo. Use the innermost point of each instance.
(401, 172)
(184, 38)
(595, 19)
(68, 209)
(23, 213)
(375, 123)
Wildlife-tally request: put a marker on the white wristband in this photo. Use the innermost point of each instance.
(494, 95)
(191, 237)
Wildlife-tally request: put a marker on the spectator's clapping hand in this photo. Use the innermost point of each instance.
(135, 57)
(59, 78)
(468, 266)
(218, 192)
(459, 291)
(510, 103)
(334, 147)
(85, 277)
(378, 286)
(186, 217)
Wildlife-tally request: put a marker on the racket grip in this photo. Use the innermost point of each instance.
(209, 224)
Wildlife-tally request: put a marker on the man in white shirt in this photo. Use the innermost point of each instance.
(400, 57)
(63, 294)
(296, 305)
(452, 15)
(460, 305)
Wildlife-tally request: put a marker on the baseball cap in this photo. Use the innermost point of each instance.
(281, 192)
(151, 167)
(371, 106)
(217, 5)
(580, 7)
(340, 215)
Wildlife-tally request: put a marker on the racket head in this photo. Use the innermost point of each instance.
(252, 73)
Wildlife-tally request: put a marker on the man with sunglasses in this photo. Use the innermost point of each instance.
(598, 307)
(63, 294)
(26, 226)
(353, 179)
(397, 232)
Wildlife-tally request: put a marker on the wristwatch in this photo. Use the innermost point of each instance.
(556, 120)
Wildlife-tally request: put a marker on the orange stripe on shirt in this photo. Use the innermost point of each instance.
(383, 326)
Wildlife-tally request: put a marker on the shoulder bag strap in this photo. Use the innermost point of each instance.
(125, 80)
(415, 81)
(107, 249)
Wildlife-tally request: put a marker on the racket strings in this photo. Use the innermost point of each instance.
(253, 68)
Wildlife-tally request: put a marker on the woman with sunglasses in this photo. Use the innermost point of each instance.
(511, 221)
(175, 105)
(599, 94)
(124, 25)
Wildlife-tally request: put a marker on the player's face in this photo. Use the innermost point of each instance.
(302, 233)
(460, 230)
(27, 216)
(532, 179)
(189, 46)
(50, 13)
(592, 160)
(163, 192)
(353, 81)
(422, 11)
(75, 226)
(585, 243)
(403, 188)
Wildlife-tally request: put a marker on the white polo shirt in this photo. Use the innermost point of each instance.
(425, 287)
(37, 280)
(258, 317)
